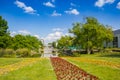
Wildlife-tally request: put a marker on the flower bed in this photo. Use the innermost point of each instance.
(67, 71)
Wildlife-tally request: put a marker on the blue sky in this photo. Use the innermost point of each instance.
(51, 19)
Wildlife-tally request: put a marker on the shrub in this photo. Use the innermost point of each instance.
(9, 53)
(108, 50)
(36, 55)
(76, 54)
(2, 51)
(23, 52)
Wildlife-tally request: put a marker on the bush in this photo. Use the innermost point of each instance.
(9, 53)
(62, 55)
(76, 54)
(2, 51)
(23, 52)
(36, 55)
(108, 50)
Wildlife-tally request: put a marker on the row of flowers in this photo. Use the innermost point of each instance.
(99, 62)
(67, 71)
(7, 68)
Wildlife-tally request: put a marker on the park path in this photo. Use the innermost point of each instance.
(67, 71)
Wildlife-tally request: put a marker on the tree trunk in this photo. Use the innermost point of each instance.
(88, 51)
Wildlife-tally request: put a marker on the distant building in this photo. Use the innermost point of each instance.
(116, 40)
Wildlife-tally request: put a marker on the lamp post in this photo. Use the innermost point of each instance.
(42, 50)
(42, 41)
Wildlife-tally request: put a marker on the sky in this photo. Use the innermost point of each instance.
(51, 19)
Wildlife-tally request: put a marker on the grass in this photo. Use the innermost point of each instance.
(42, 70)
(102, 71)
(112, 57)
(8, 61)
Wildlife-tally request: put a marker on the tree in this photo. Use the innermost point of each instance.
(3, 26)
(5, 41)
(64, 42)
(91, 34)
(26, 41)
(5, 38)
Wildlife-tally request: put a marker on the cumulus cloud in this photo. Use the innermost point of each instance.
(73, 11)
(27, 9)
(48, 4)
(56, 14)
(118, 5)
(37, 36)
(55, 35)
(101, 3)
(23, 32)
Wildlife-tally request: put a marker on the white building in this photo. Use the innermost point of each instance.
(116, 40)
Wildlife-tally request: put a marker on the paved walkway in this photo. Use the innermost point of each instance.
(48, 52)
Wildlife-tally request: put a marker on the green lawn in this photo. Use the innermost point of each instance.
(112, 57)
(42, 70)
(102, 71)
(8, 61)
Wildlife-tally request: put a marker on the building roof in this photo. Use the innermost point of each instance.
(116, 32)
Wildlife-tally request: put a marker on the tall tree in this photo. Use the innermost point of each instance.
(64, 42)
(3, 26)
(91, 34)
(5, 38)
(26, 41)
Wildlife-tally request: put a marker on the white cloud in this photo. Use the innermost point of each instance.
(20, 4)
(73, 11)
(118, 5)
(56, 14)
(24, 32)
(72, 4)
(48, 4)
(27, 9)
(37, 36)
(53, 0)
(55, 35)
(12, 33)
(101, 3)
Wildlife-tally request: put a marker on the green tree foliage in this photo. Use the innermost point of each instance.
(26, 41)
(3, 26)
(54, 44)
(64, 42)
(91, 34)
(5, 41)
(5, 38)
